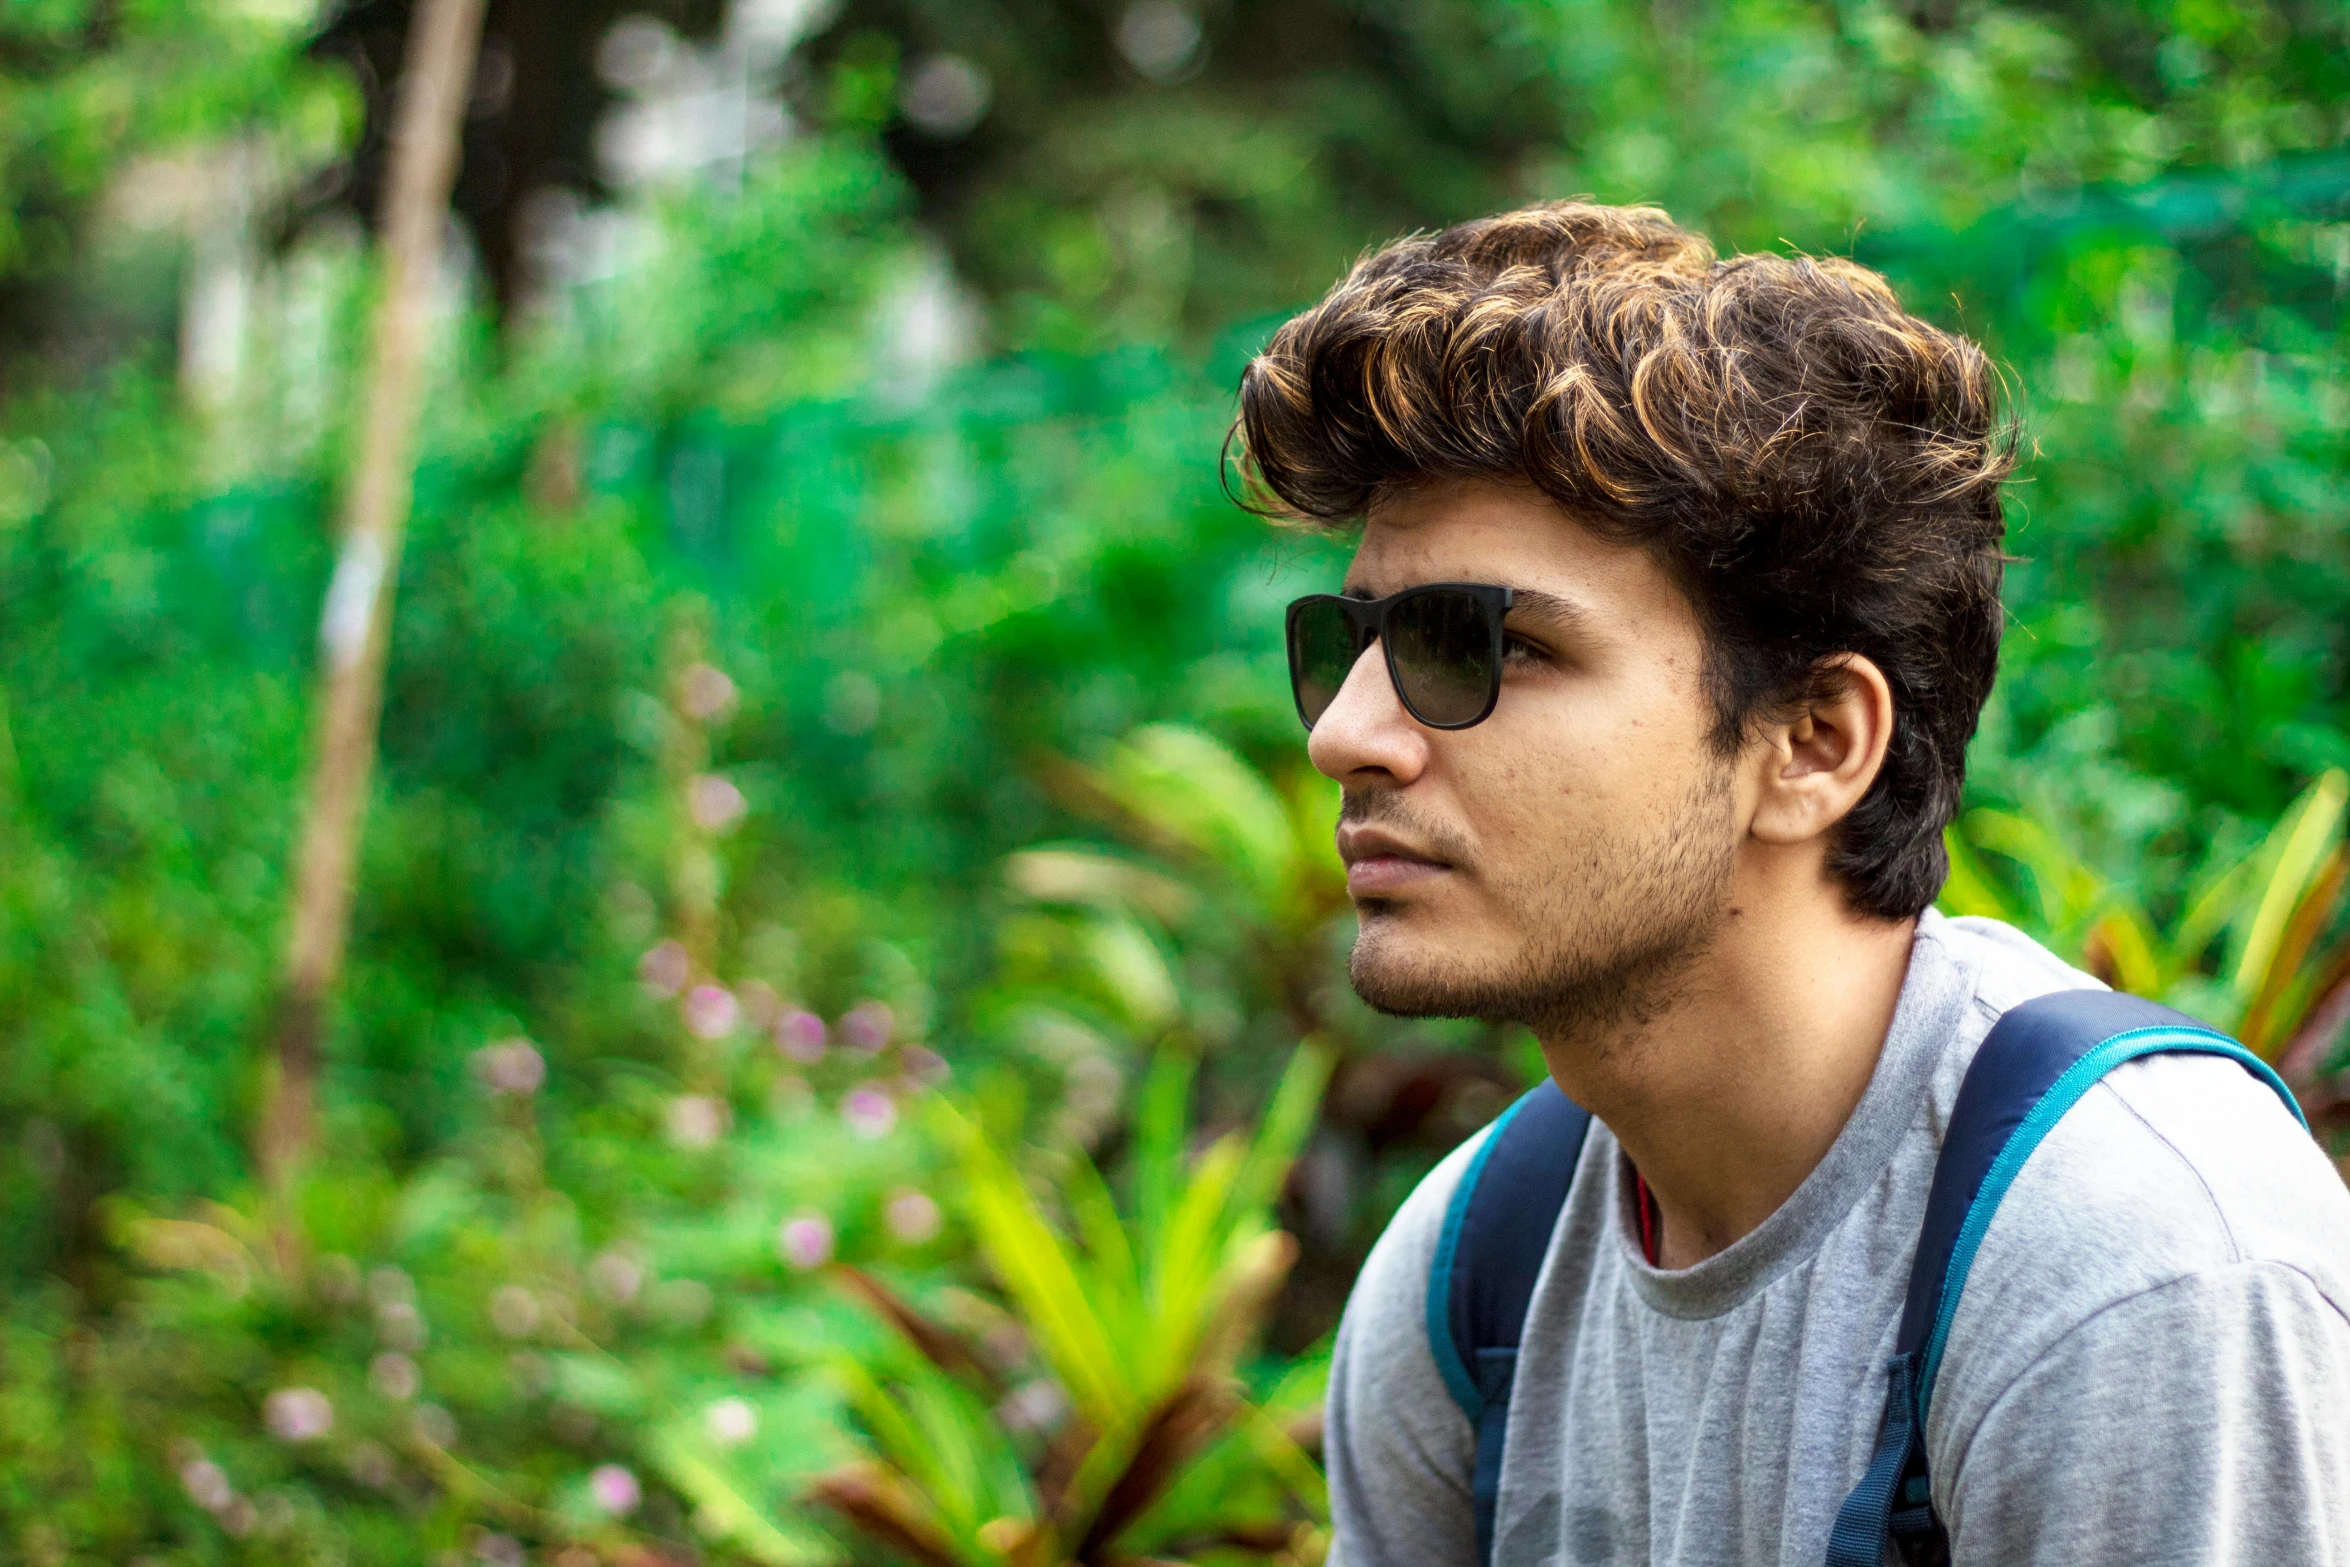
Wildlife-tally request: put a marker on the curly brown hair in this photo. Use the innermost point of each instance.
(1817, 468)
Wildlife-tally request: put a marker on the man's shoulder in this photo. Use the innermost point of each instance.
(2174, 1173)
(2175, 1164)
(2172, 1163)
(2172, 1170)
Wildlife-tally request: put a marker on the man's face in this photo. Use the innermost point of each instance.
(1564, 861)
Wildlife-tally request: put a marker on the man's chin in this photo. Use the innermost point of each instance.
(1404, 977)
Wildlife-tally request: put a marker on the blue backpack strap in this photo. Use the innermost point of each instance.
(1496, 1232)
(2034, 1065)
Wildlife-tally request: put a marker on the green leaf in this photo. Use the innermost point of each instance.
(2067, 891)
(1969, 888)
(1194, 1252)
(1159, 1131)
(735, 1518)
(2293, 855)
(1289, 1121)
(1037, 1270)
(1134, 971)
(1195, 791)
(1109, 1264)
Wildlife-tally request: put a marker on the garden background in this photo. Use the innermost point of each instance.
(843, 1054)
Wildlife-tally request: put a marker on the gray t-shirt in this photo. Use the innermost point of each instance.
(2151, 1362)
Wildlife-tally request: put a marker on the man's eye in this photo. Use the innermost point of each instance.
(1517, 650)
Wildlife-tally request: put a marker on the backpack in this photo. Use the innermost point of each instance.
(2035, 1064)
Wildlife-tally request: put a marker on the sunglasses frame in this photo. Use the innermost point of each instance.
(1369, 618)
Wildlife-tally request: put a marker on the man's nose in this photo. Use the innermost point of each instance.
(1365, 731)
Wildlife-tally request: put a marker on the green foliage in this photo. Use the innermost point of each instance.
(1137, 1318)
(89, 92)
(1105, 199)
(1238, 877)
(741, 666)
(2258, 943)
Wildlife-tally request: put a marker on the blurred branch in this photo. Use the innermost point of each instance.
(355, 627)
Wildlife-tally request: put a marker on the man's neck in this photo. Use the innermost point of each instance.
(1731, 1091)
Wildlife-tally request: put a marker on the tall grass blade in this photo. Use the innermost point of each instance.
(1109, 1262)
(1037, 1270)
(2295, 853)
(2289, 985)
(1159, 1130)
(1289, 1121)
(2214, 905)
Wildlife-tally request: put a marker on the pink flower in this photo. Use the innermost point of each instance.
(714, 802)
(705, 693)
(866, 1026)
(616, 1276)
(912, 1216)
(298, 1414)
(514, 1310)
(615, 1490)
(665, 969)
(512, 1066)
(869, 1111)
(394, 1375)
(710, 1011)
(805, 1240)
(800, 1036)
(400, 1326)
(697, 1120)
(207, 1484)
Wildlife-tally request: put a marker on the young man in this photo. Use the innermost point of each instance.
(1747, 513)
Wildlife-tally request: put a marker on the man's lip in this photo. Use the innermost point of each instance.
(1356, 843)
(1378, 862)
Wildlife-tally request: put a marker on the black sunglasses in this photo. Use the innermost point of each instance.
(1443, 645)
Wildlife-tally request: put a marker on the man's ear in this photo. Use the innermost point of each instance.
(1817, 765)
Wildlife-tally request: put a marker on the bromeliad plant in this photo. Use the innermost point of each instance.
(1233, 864)
(1137, 1438)
(2259, 947)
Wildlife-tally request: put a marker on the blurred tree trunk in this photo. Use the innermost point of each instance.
(355, 626)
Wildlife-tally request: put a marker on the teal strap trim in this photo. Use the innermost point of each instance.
(1458, 1379)
(2062, 1095)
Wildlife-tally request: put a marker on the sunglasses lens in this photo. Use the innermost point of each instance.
(1442, 645)
(1321, 652)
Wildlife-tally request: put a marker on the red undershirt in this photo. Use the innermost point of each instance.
(1650, 1220)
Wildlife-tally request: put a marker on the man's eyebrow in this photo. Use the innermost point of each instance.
(1548, 606)
(1535, 603)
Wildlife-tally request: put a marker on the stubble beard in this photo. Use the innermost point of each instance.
(1616, 926)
